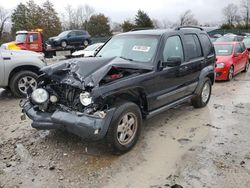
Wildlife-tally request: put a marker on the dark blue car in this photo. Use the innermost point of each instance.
(71, 37)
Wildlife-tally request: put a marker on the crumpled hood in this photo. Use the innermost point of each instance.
(82, 72)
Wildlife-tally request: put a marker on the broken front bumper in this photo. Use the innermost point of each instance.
(89, 127)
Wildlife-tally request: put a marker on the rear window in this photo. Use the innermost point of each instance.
(223, 49)
(193, 46)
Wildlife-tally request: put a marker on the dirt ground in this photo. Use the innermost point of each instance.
(207, 147)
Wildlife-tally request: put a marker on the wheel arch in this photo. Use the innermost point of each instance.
(207, 72)
(31, 68)
(136, 95)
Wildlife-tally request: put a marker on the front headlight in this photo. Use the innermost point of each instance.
(220, 65)
(40, 96)
(85, 99)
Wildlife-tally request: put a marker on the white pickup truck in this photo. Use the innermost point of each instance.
(19, 70)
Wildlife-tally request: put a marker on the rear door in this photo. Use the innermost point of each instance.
(194, 63)
(72, 39)
(208, 49)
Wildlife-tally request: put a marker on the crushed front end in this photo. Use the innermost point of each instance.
(63, 102)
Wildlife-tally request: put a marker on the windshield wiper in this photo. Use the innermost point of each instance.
(126, 58)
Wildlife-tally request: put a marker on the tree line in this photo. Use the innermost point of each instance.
(30, 16)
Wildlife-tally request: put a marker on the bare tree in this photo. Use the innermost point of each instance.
(77, 18)
(83, 14)
(245, 7)
(4, 16)
(231, 14)
(187, 18)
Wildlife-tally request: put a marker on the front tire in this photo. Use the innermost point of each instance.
(203, 97)
(86, 43)
(230, 73)
(21, 81)
(64, 44)
(125, 128)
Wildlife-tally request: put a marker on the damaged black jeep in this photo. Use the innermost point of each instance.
(134, 76)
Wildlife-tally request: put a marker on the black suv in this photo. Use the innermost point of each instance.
(71, 37)
(134, 76)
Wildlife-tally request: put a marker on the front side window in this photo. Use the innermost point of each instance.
(21, 37)
(135, 48)
(173, 48)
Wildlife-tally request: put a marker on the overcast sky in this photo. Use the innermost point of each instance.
(119, 10)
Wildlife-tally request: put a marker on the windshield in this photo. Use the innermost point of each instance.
(223, 49)
(139, 48)
(63, 34)
(21, 37)
(93, 47)
(226, 39)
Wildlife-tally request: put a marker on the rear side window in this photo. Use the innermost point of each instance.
(206, 45)
(173, 48)
(193, 46)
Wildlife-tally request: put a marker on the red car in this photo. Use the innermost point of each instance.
(232, 58)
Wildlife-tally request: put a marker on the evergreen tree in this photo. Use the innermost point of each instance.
(98, 25)
(51, 24)
(143, 20)
(127, 26)
(19, 18)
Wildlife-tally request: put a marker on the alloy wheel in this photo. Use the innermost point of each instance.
(127, 128)
(206, 92)
(25, 82)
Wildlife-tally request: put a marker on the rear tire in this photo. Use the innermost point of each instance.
(21, 81)
(230, 73)
(246, 67)
(203, 97)
(125, 128)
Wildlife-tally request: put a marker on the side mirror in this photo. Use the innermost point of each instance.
(172, 62)
(69, 35)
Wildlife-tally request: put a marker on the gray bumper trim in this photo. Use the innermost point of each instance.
(83, 126)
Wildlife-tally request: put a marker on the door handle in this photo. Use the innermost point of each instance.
(6, 58)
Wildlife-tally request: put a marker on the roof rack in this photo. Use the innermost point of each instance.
(187, 27)
(142, 28)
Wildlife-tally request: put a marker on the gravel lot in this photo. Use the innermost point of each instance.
(207, 147)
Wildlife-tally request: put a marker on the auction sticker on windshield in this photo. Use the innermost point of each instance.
(141, 48)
